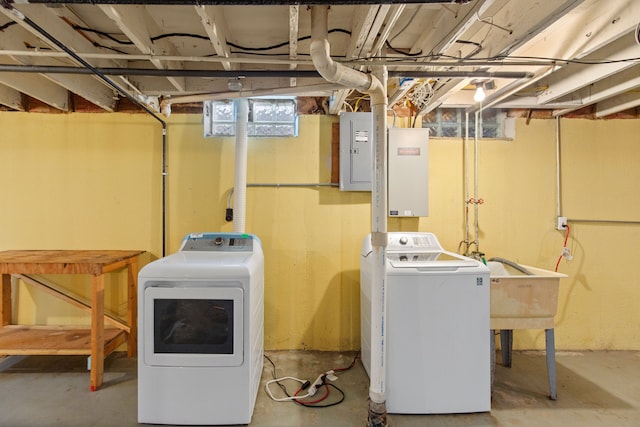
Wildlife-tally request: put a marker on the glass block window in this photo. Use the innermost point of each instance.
(267, 118)
(450, 123)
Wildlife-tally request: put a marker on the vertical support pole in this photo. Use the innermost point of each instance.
(5, 300)
(132, 307)
(551, 362)
(97, 331)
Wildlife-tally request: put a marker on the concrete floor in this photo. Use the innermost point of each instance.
(594, 389)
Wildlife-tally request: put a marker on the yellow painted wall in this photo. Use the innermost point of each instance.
(93, 181)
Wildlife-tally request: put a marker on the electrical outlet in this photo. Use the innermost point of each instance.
(562, 223)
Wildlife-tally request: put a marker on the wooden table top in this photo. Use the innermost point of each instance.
(62, 261)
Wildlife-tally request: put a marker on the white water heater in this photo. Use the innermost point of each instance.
(408, 174)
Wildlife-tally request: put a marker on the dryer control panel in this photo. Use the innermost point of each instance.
(217, 242)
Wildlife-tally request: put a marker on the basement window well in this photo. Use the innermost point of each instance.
(268, 117)
(450, 123)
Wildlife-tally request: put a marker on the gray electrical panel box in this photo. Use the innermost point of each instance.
(356, 155)
(408, 172)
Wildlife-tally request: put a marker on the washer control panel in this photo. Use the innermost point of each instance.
(401, 241)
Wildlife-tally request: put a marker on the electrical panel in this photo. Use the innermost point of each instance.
(407, 163)
(408, 172)
(356, 151)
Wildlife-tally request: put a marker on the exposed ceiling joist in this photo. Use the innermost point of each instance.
(618, 104)
(38, 87)
(136, 23)
(576, 76)
(393, 16)
(85, 86)
(159, 50)
(215, 25)
(89, 88)
(611, 87)
(11, 98)
(294, 18)
(449, 26)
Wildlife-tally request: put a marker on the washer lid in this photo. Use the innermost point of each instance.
(429, 259)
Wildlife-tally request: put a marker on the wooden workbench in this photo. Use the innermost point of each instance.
(97, 341)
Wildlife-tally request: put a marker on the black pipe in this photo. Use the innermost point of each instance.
(20, 16)
(153, 72)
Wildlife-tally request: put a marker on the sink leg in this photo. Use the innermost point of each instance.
(492, 349)
(551, 362)
(506, 344)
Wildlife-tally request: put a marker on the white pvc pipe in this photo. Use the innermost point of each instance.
(376, 87)
(377, 389)
(240, 184)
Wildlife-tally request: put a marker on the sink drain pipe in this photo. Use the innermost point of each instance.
(19, 16)
(375, 86)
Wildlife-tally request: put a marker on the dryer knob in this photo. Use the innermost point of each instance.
(404, 240)
(218, 241)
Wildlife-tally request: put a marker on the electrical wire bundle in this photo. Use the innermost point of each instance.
(310, 395)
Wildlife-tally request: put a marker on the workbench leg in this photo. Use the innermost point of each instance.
(5, 300)
(551, 362)
(506, 344)
(132, 308)
(97, 331)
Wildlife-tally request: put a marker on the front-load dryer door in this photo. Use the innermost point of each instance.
(193, 326)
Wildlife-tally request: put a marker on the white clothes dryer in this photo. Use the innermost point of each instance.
(437, 335)
(200, 331)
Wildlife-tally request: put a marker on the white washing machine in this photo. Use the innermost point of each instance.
(200, 331)
(437, 336)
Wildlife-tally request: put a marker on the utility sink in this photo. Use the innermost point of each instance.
(521, 301)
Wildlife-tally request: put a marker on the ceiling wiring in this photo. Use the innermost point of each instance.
(503, 59)
(7, 25)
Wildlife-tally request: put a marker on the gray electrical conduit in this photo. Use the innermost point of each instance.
(19, 16)
(275, 185)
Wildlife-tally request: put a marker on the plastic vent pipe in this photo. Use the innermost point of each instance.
(376, 88)
(240, 184)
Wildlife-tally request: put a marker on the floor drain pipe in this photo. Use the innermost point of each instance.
(376, 87)
(240, 184)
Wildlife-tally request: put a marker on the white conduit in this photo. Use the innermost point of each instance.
(338, 73)
(240, 185)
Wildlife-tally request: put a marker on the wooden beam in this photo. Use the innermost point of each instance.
(38, 87)
(620, 103)
(575, 76)
(11, 98)
(88, 87)
(215, 25)
(601, 90)
(136, 23)
(294, 14)
(447, 27)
